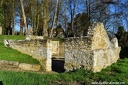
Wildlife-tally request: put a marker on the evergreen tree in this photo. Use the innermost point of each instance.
(122, 36)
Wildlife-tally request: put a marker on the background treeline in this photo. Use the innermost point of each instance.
(72, 17)
(122, 36)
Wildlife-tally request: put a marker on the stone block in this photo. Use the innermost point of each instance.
(11, 63)
(49, 64)
(29, 67)
(6, 43)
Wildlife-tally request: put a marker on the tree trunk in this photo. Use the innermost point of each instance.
(45, 26)
(13, 17)
(5, 31)
(21, 23)
(38, 17)
(73, 12)
(54, 18)
(24, 17)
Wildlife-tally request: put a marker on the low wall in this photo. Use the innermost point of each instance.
(16, 66)
(39, 49)
(35, 48)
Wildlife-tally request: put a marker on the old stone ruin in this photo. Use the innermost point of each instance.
(92, 52)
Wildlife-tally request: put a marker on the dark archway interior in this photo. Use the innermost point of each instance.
(58, 65)
(124, 52)
(1, 83)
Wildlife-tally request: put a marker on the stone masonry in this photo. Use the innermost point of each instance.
(16, 66)
(36, 48)
(39, 49)
(92, 52)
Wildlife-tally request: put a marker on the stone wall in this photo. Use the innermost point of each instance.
(61, 50)
(16, 66)
(40, 49)
(104, 58)
(93, 52)
(78, 53)
(58, 49)
(36, 48)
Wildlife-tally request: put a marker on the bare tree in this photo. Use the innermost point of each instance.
(21, 23)
(24, 17)
(72, 6)
(45, 24)
(13, 17)
(54, 18)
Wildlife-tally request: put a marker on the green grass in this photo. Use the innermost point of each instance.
(10, 54)
(118, 72)
(115, 73)
(11, 37)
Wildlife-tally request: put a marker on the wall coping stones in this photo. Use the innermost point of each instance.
(29, 67)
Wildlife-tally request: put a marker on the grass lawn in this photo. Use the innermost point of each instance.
(11, 37)
(10, 54)
(117, 73)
